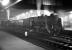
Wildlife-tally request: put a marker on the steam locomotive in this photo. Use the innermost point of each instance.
(44, 24)
(41, 24)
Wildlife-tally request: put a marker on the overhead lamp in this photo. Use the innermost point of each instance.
(5, 2)
(7, 5)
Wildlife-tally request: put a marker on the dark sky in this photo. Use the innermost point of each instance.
(67, 4)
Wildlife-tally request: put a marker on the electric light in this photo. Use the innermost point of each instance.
(5, 2)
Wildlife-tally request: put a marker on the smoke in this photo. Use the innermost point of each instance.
(31, 13)
(66, 17)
